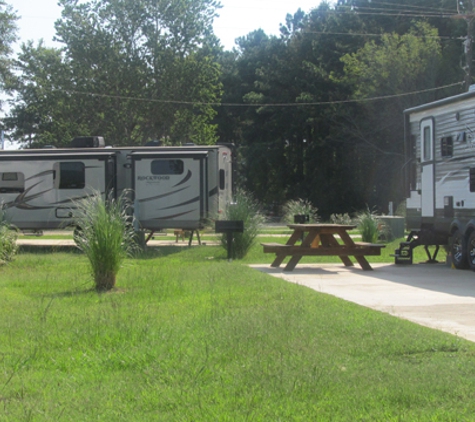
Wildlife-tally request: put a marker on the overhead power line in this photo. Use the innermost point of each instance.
(409, 14)
(362, 34)
(255, 105)
(411, 6)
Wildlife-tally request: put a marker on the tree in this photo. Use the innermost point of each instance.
(395, 66)
(283, 137)
(137, 70)
(304, 133)
(44, 114)
(8, 31)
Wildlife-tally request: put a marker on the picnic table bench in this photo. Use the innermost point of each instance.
(320, 240)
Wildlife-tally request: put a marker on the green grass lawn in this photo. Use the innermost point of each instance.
(188, 336)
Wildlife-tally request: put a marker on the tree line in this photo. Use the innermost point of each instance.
(315, 112)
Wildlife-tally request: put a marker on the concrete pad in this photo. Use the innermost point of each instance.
(151, 243)
(433, 295)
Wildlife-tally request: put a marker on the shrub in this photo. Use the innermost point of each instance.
(368, 225)
(248, 210)
(299, 207)
(105, 235)
(8, 238)
(344, 219)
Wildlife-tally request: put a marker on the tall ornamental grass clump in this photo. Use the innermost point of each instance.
(8, 238)
(105, 235)
(368, 226)
(247, 209)
(299, 207)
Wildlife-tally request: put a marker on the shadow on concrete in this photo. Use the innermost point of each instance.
(432, 277)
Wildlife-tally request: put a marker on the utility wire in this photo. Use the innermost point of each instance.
(409, 6)
(410, 15)
(403, 8)
(402, 11)
(255, 105)
(362, 34)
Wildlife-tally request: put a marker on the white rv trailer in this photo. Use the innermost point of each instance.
(172, 187)
(440, 178)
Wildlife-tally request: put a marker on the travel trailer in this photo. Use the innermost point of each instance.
(440, 179)
(172, 187)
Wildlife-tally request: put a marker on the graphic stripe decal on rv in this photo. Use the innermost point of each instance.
(191, 201)
(20, 201)
(152, 198)
(76, 198)
(174, 215)
(43, 173)
(187, 177)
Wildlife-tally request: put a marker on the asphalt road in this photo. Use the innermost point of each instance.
(433, 295)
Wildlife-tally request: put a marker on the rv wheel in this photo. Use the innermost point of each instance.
(471, 251)
(458, 249)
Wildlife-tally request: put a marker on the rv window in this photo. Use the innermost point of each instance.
(447, 146)
(9, 177)
(12, 182)
(222, 180)
(167, 167)
(72, 175)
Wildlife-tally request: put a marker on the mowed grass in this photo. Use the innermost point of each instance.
(188, 336)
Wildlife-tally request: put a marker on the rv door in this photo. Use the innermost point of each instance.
(170, 189)
(427, 168)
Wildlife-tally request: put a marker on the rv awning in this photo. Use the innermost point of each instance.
(170, 154)
(48, 155)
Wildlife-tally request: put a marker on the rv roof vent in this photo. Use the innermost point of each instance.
(88, 142)
(154, 143)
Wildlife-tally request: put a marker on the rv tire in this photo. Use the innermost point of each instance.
(471, 251)
(458, 249)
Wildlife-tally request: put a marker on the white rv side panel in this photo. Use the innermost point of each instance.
(45, 201)
(170, 189)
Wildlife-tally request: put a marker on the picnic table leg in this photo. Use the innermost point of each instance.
(312, 238)
(347, 240)
(278, 260)
(329, 240)
(280, 257)
(292, 263)
(363, 262)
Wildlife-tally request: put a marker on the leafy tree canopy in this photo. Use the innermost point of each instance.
(8, 36)
(129, 70)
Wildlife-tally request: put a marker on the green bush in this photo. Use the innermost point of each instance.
(8, 238)
(299, 207)
(344, 219)
(247, 209)
(368, 225)
(105, 235)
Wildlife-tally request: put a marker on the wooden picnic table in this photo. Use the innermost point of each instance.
(321, 240)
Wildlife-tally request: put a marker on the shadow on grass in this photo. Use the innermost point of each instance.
(151, 252)
(48, 249)
(84, 292)
(71, 293)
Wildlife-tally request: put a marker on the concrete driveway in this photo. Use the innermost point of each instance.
(433, 295)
